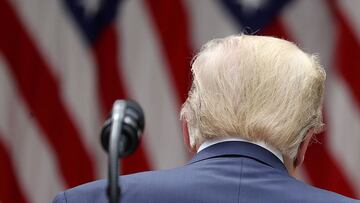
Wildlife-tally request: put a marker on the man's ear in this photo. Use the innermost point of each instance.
(300, 156)
(186, 136)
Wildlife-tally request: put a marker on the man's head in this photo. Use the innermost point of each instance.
(257, 88)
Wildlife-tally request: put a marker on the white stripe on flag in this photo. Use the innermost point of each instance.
(303, 19)
(208, 20)
(350, 10)
(147, 79)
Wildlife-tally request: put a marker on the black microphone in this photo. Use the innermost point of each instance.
(120, 137)
(133, 123)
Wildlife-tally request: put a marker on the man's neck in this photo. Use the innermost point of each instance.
(208, 143)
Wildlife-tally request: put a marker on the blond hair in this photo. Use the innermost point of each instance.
(257, 88)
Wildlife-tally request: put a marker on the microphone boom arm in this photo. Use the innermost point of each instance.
(115, 145)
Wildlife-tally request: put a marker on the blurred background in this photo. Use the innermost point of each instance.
(64, 62)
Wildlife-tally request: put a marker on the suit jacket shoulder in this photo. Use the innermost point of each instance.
(223, 173)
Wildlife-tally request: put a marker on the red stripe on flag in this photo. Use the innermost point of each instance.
(9, 184)
(276, 29)
(347, 53)
(323, 170)
(112, 88)
(172, 25)
(41, 93)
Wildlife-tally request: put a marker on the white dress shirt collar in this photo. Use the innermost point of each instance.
(262, 144)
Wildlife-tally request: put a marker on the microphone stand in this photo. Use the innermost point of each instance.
(116, 146)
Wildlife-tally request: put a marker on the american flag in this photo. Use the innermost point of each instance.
(64, 62)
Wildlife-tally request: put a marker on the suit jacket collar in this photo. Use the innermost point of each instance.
(237, 148)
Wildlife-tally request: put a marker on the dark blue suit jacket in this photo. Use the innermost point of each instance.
(222, 173)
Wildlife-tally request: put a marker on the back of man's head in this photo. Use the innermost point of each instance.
(257, 88)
